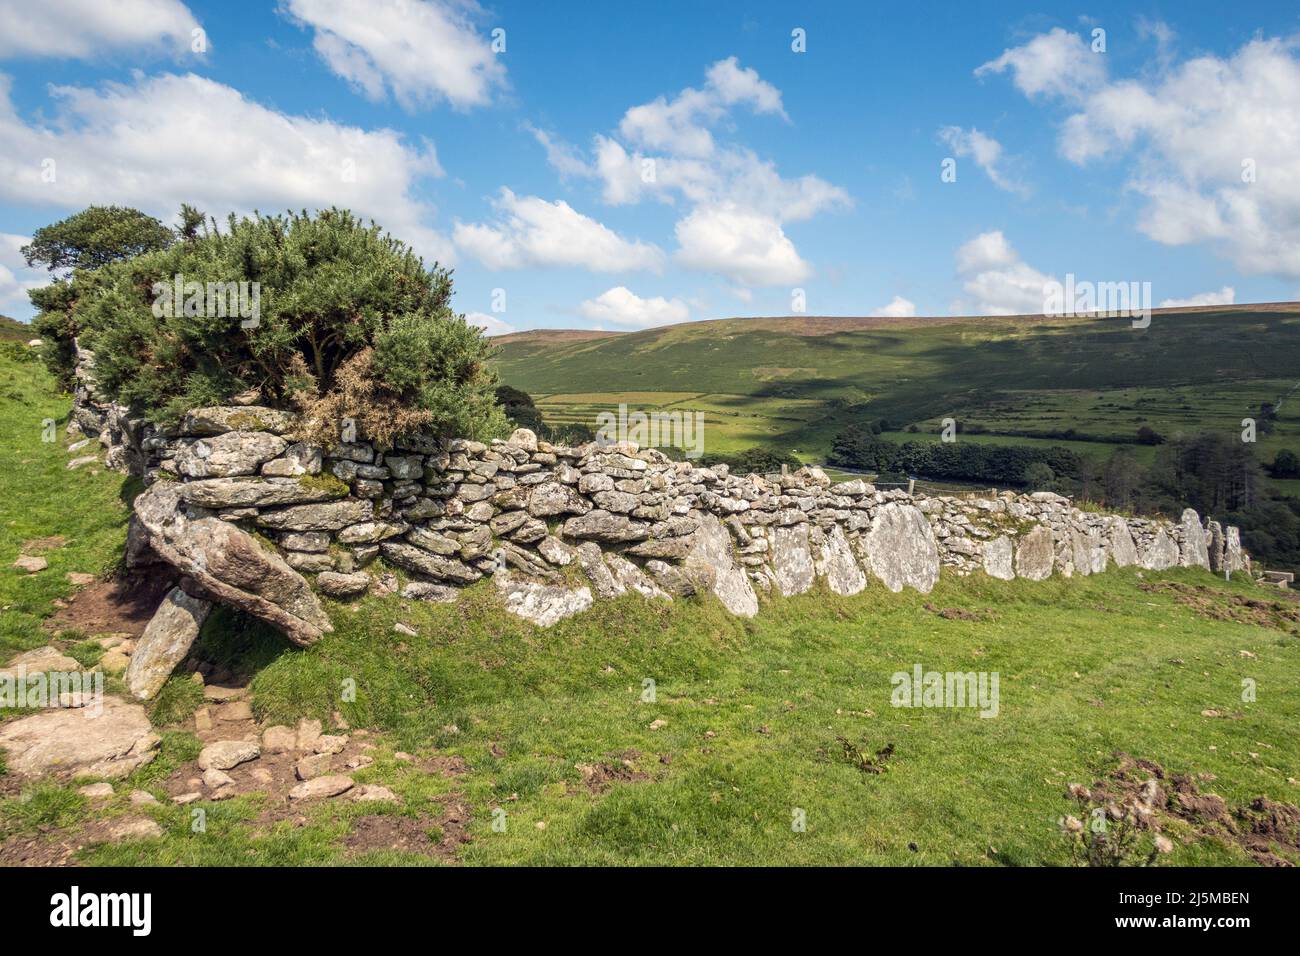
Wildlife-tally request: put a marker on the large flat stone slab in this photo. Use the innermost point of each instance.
(110, 740)
(902, 549)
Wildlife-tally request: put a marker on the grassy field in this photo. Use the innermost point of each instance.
(1016, 378)
(555, 729)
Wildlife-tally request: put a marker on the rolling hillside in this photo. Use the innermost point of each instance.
(791, 383)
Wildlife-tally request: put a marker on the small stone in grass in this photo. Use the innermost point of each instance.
(320, 787)
(96, 791)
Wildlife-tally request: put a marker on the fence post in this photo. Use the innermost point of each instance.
(911, 485)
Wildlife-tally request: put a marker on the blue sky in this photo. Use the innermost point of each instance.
(637, 164)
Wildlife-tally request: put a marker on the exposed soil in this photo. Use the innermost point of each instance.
(960, 614)
(1268, 831)
(1282, 613)
(616, 768)
(440, 836)
(122, 605)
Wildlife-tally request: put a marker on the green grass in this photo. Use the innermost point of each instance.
(42, 498)
(753, 710)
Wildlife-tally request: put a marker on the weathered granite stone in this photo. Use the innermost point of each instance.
(1234, 558)
(1035, 554)
(428, 591)
(225, 754)
(231, 566)
(257, 492)
(315, 542)
(369, 532)
(712, 563)
(343, 585)
(792, 559)
(1217, 550)
(902, 549)
(166, 641)
(432, 565)
(543, 604)
(220, 419)
(552, 498)
(556, 551)
(1120, 542)
(997, 558)
(70, 741)
(1195, 551)
(329, 516)
(1161, 553)
(298, 459)
(632, 578)
(598, 573)
(600, 525)
(433, 541)
(837, 565)
(223, 456)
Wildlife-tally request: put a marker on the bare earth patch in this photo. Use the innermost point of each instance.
(1282, 614)
(120, 605)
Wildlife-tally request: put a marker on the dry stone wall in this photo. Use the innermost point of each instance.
(558, 527)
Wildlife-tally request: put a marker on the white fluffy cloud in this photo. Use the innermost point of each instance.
(1057, 63)
(86, 29)
(621, 306)
(1225, 296)
(985, 151)
(531, 232)
(1213, 146)
(898, 308)
(737, 201)
(744, 246)
(490, 324)
(169, 139)
(680, 125)
(16, 278)
(996, 280)
(420, 51)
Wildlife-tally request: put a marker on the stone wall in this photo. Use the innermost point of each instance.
(558, 527)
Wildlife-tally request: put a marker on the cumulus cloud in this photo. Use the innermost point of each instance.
(898, 308)
(421, 51)
(996, 280)
(490, 324)
(84, 29)
(531, 232)
(16, 278)
(737, 202)
(621, 306)
(1057, 63)
(681, 125)
(985, 151)
(1225, 296)
(739, 244)
(1213, 146)
(168, 139)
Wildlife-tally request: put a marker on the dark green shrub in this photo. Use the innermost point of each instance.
(334, 318)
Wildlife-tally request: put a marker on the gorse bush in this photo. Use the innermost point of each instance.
(320, 314)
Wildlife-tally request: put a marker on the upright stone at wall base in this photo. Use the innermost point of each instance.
(712, 561)
(165, 642)
(902, 548)
(792, 559)
(1194, 552)
(998, 559)
(1035, 554)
